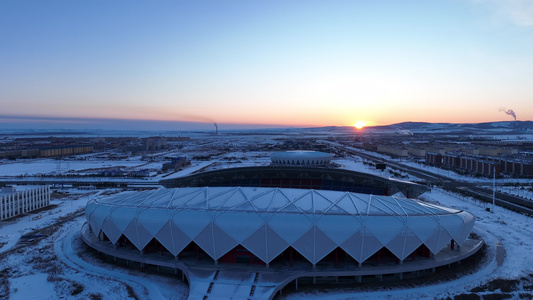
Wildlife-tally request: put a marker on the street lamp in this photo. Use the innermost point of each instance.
(493, 188)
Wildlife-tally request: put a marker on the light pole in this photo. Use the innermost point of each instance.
(493, 188)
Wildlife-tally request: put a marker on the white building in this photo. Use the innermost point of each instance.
(13, 202)
(268, 221)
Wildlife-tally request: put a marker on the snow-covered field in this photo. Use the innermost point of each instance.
(46, 166)
(57, 265)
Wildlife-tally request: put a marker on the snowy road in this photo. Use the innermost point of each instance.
(69, 246)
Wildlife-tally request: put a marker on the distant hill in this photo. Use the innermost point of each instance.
(504, 126)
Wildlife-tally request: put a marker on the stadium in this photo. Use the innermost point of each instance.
(288, 225)
(301, 158)
(313, 223)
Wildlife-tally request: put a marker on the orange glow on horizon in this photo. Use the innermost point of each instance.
(360, 124)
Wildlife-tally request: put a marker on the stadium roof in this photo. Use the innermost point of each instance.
(266, 221)
(252, 199)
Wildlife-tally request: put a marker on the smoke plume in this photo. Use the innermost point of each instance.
(509, 112)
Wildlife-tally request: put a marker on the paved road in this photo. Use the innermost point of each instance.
(83, 181)
(473, 189)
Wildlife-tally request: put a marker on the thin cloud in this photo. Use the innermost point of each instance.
(518, 12)
(19, 122)
(6, 119)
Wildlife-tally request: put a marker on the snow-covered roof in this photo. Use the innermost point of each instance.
(300, 157)
(253, 199)
(301, 154)
(18, 188)
(266, 221)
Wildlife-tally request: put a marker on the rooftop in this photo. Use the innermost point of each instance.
(275, 200)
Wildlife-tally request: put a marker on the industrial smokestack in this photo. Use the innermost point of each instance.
(216, 128)
(509, 112)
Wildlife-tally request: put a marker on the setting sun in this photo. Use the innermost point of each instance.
(359, 124)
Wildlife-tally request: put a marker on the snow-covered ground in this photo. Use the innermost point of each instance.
(357, 164)
(57, 265)
(517, 191)
(46, 166)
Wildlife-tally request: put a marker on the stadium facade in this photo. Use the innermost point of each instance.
(302, 177)
(267, 221)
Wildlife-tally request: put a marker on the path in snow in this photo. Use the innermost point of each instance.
(67, 248)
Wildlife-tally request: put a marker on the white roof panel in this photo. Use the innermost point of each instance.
(219, 218)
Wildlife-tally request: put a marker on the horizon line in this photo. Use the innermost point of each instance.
(25, 122)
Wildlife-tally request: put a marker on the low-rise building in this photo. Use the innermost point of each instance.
(451, 160)
(26, 199)
(497, 151)
(433, 158)
(416, 151)
(517, 167)
(392, 150)
(62, 151)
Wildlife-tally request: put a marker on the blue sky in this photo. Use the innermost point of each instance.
(296, 63)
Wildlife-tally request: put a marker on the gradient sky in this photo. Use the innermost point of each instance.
(297, 63)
